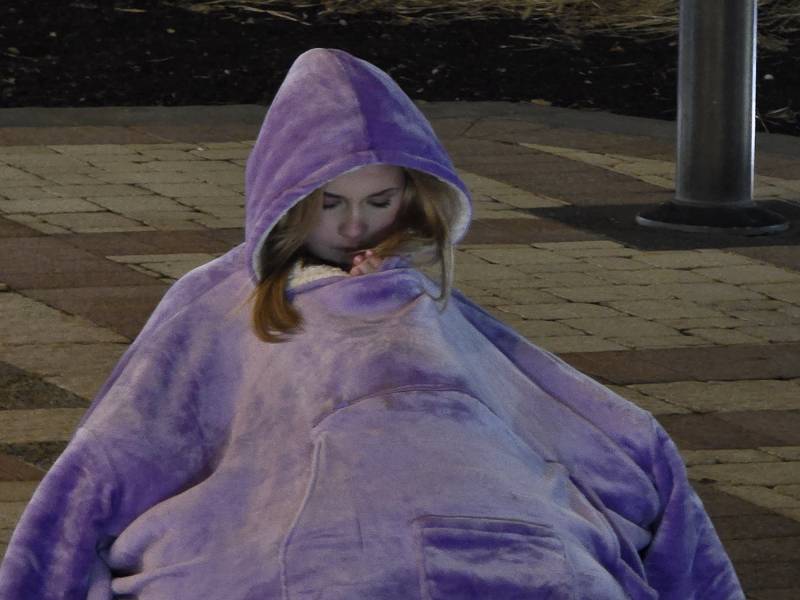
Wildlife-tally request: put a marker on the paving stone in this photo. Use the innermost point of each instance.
(763, 304)
(785, 256)
(749, 526)
(563, 310)
(101, 190)
(793, 491)
(47, 163)
(90, 149)
(666, 341)
(77, 369)
(566, 280)
(764, 550)
(756, 273)
(217, 222)
(7, 150)
(142, 176)
(11, 229)
(706, 293)
(480, 213)
(727, 396)
(8, 174)
(126, 204)
(608, 252)
(707, 431)
(524, 296)
(785, 452)
(774, 594)
(544, 270)
(26, 193)
(663, 309)
(117, 165)
(613, 263)
(48, 205)
(162, 146)
(222, 178)
(710, 363)
(762, 491)
(66, 178)
(780, 425)
(773, 333)
(21, 387)
(576, 343)
(120, 276)
(27, 321)
(652, 276)
(12, 177)
(41, 455)
(193, 166)
(724, 337)
(775, 575)
(582, 245)
(225, 211)
(150, 242)
(13, 469)
(12, 136)
(648, 403)
(100, 222)
(614, 326)
(17, 491)
(766, 317)
(36, 224)
(721, 506)
(226, 199)
(10, 513)
(222, 153)
(169, 154)
(606, 293)
(540, 328)
(693, 259)
(473, 272)
(121, 309)
(730, 456)
(734, 477)
(522, 255)
(788, 292)
(39, 425)
(174, 268)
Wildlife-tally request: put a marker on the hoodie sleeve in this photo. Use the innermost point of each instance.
(54, 550)
(685, 559)
(142, 444)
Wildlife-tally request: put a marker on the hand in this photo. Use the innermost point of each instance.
(365, 263)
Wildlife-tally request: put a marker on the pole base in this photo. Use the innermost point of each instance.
(747, 220)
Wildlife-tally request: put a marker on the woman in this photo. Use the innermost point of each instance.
(291, 424)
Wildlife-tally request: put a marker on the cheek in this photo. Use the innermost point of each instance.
(387, 217)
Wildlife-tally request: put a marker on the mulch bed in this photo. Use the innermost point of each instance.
(145, 52)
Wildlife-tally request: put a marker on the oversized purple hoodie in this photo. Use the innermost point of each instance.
(389, 451)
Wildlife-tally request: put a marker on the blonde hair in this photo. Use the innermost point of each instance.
(422, 234)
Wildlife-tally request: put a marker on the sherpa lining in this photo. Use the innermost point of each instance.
(304, 273)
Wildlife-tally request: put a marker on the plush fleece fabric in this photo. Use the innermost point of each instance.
(388, 451)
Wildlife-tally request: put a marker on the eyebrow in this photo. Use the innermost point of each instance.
(391, 189)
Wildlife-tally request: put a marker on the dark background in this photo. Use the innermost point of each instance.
(148, 53)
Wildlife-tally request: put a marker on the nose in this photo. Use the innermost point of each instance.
(353, 226)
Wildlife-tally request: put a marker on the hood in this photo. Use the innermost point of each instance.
(332, 114)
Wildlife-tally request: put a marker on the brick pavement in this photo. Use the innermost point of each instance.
(101, 209)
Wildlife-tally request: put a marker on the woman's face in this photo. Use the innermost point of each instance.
(358, 211)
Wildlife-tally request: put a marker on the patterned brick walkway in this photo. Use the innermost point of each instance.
(100, 210)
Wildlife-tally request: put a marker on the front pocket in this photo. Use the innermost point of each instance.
(468, 557)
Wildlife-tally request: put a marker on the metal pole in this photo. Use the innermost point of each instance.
(716, 135)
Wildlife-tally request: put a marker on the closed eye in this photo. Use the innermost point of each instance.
(377, 203)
